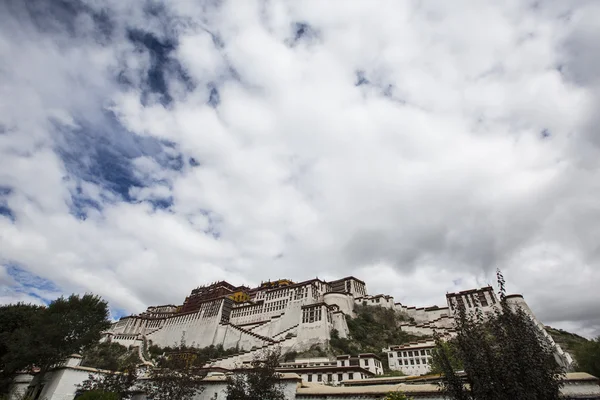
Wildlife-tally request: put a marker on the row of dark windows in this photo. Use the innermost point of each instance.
(340, 377)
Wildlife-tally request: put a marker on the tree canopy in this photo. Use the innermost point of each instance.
(504, 356)
(176, 376)
(259, 382)
(587, 355)
(34, 336)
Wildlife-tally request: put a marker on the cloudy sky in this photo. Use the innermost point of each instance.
(149, 147)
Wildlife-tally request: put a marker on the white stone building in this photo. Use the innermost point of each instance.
(368, 361)
(62, 384)
(284, 314)
(290, 316)
(412, 358)
(324, 371)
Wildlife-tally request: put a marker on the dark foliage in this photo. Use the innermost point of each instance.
(113, 385)
(46, 336)
(198, 357)
(174, 380)
(587, 355)
(290, 356)
(98, 395)
(175, 377)
(504, 355)
(445, 350)
(260, 382)
(16, 318)
(373, 329)
(107, 355)
(396, 396)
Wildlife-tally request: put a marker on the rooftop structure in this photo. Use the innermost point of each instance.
(331, 372)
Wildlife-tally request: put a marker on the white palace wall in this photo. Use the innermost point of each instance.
(562, 357)
(338, 322)
(193, 328)
(344, 301)
(300, 314)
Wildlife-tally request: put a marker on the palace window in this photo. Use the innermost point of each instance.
(340, 377)
(319, 378)
(482, 299)
(350, 375)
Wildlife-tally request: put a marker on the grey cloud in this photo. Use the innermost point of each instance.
(432, 170)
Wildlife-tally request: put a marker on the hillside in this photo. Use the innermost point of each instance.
(111, 356)
(567, 340)
(373, 329)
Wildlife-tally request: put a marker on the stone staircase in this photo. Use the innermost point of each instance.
(255, 335)
(262, 324)
(152, 330)
(257, 325)
(285, 331)
(141, 352)
(427, 328)
(235, 360)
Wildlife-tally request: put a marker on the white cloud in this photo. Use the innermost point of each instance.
(471, 145)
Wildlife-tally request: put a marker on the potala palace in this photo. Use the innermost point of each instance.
(294, 316)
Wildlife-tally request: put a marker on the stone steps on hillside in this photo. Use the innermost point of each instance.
(247, 355)
(285, 331)
(256, 335)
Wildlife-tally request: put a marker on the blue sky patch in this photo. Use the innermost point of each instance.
(4, 208)
(31, 284)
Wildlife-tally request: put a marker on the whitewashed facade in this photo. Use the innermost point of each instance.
(62, 384)
(412, 358)
(293, 317)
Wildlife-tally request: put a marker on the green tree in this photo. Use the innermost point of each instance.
(259, 382)
(175, 377)
(113, 384)
(372, 329)
(504, 355)
(105, 355)
(16, 318)
(99, 395)
(396, 396)
(587, 356)
(48, 335)
(447, 349)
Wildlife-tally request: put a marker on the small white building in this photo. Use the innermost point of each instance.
(368, 361)
(324, 371)
(62, 384)
(411, 359)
